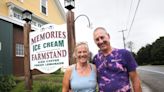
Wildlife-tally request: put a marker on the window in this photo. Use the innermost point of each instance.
(44, 6)
(19, 50)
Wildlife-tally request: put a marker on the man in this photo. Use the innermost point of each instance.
(114, 66)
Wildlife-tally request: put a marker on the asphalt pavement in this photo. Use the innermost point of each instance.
(146, 88)
(152, 78)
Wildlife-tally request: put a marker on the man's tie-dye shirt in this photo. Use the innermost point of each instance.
(113, 70)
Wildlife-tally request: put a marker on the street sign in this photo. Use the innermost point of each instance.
(49, 48)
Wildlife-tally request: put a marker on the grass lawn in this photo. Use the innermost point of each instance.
(41, 83)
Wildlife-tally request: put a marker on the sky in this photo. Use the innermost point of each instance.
(117, 15)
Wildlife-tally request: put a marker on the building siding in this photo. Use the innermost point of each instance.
(6, 39)
(11, 30)
(18, 62)
(53, 16)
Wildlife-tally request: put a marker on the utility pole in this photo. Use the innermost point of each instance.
(123, 37)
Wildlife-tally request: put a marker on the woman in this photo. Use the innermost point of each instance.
(80, 77)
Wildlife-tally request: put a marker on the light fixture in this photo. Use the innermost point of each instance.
(27, 15)
(69, 4)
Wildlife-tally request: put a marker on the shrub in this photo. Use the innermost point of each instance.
(7, 82)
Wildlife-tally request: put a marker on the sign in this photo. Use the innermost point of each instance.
(49, 48)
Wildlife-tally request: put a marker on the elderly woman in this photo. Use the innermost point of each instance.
(80, 77)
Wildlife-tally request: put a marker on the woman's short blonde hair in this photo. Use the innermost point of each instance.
(77, 45)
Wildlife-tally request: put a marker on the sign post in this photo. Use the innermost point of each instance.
(27, 17)
(28, 75)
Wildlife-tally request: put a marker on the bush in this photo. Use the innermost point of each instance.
(7, 82)
(20, 87)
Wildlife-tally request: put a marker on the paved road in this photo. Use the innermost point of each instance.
(152, 77)
(146, 88)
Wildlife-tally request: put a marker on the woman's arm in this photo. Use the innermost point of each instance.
(66, 80)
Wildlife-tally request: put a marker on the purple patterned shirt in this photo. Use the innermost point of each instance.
(113, 70)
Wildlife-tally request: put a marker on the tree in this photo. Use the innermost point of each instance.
(130, 45)
(157, 51)
(152, 54)
(91, 57)
(140, 56)
(144, 55)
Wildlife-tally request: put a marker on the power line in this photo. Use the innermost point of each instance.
(133, 18)
(128, 18)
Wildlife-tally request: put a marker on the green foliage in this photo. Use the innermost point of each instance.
(49, 87)
(144, 55)
(140, 56)
(58, 72)
(152, 54)
(158, 51)
(48, 83)
(20, 87)
(7, 82)
(42, 83)
(134, 55)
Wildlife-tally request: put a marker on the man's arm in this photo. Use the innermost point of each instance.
(135, 81)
